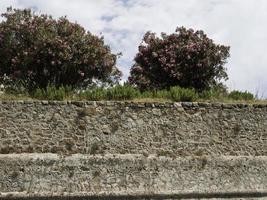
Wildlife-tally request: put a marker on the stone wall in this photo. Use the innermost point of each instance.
(131, 175)
(124, 150)
(171, 129)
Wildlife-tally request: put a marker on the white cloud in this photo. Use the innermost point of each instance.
(238, 23)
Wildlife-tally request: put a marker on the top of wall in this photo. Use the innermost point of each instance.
(141, 104)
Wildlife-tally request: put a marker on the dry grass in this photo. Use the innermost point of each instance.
(221, 100)
(230, 101)
(11, 97)
(151, 100)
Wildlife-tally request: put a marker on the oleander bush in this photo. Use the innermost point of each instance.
(55, 59)
(186, 58)
(37, 51)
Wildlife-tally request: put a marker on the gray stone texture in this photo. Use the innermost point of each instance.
(171, 129)
(77, 175)
(124, 150)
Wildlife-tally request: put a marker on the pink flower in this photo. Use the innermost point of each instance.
(138, 69)
(81, 73)
(154, 54)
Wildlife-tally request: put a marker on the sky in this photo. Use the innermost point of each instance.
(241, 24)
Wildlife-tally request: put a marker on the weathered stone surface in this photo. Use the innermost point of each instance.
(77, 175)
(125, 150)
(173, 129)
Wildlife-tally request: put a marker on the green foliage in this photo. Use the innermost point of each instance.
(186, 58)
(183, 94)
(127, 92)
(161, 94)
(158, 94)
(120, 92)
(217, 92)
(94, 94)
(39, 50)
(208, 94)
(147, 94)
(14, 87)
(238, 95)
(53, 93)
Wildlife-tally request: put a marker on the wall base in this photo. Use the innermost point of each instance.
(44, 176)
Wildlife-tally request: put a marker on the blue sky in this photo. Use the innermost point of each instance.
(238, 23)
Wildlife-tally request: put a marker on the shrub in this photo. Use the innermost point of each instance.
(14, 87)
(238, 95)
(147, 94)
(186, 58)
(41, 50)
(216, 92)
(53, 93)
(183, 94)
(118, 92)
(159, 94)
(95, 94)
(122, 92)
